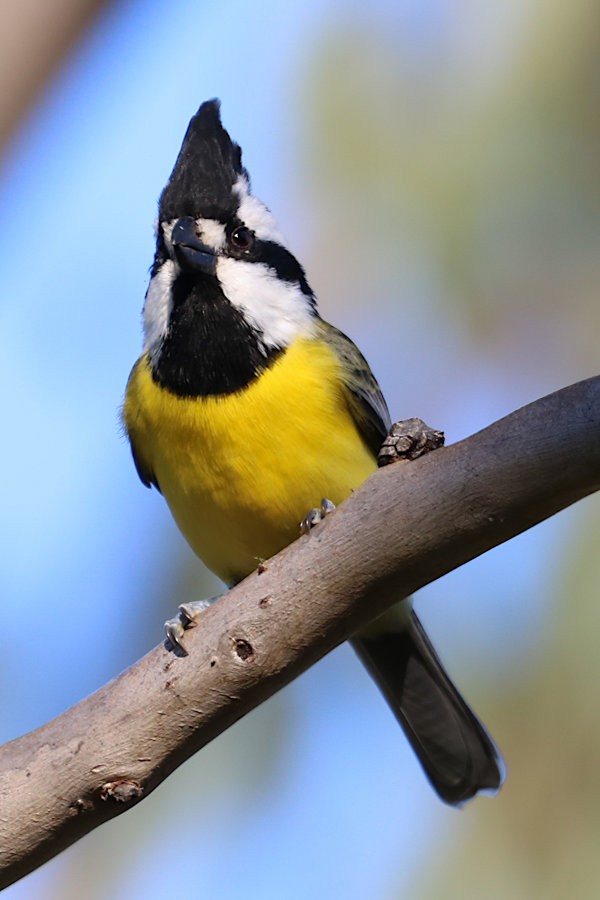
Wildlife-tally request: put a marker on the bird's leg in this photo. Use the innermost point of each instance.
(407, 440)
(187, 617)
(316, 515)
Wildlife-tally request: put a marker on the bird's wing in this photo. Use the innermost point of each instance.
(128, 417)
(365, 400)
(147, 477)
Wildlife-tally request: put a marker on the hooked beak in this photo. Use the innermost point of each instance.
(191, 254)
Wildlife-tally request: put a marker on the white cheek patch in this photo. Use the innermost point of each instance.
(157, 307)
(253, 213)
(167, 230)
(276, 308)
(212, 233)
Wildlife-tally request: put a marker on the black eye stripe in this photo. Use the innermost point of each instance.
(243, 244)
(283, 263)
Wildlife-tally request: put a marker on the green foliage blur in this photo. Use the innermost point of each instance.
(472, 164)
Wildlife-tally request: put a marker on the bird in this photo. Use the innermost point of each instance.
(246, 408)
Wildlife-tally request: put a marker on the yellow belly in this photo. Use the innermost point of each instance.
(239, 472)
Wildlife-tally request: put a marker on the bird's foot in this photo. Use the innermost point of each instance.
(187, 617)
(316, 515)
(407, 440)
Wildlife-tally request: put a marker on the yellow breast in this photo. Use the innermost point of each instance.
(240, 471)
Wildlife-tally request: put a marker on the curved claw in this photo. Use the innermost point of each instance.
(312, 517)
(175, 630)
(187, 617)
(316, 515)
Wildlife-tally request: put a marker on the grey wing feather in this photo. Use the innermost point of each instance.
(365, 400)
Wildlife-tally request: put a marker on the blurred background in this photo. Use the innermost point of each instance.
(435, 165)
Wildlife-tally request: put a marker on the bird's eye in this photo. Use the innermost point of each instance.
(242, 239)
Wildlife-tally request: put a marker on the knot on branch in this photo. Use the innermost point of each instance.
(122, 791)
(243, 649)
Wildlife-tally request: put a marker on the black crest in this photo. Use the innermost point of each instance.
(208, 165)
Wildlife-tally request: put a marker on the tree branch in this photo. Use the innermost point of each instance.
(34, 38)
(409, 524)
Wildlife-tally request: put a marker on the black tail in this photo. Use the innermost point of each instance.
(455, 750)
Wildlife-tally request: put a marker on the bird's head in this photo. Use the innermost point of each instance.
(220, 256)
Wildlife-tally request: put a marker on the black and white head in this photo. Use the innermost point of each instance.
(226, 296)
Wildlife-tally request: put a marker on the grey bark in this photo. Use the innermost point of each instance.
(409, 524)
